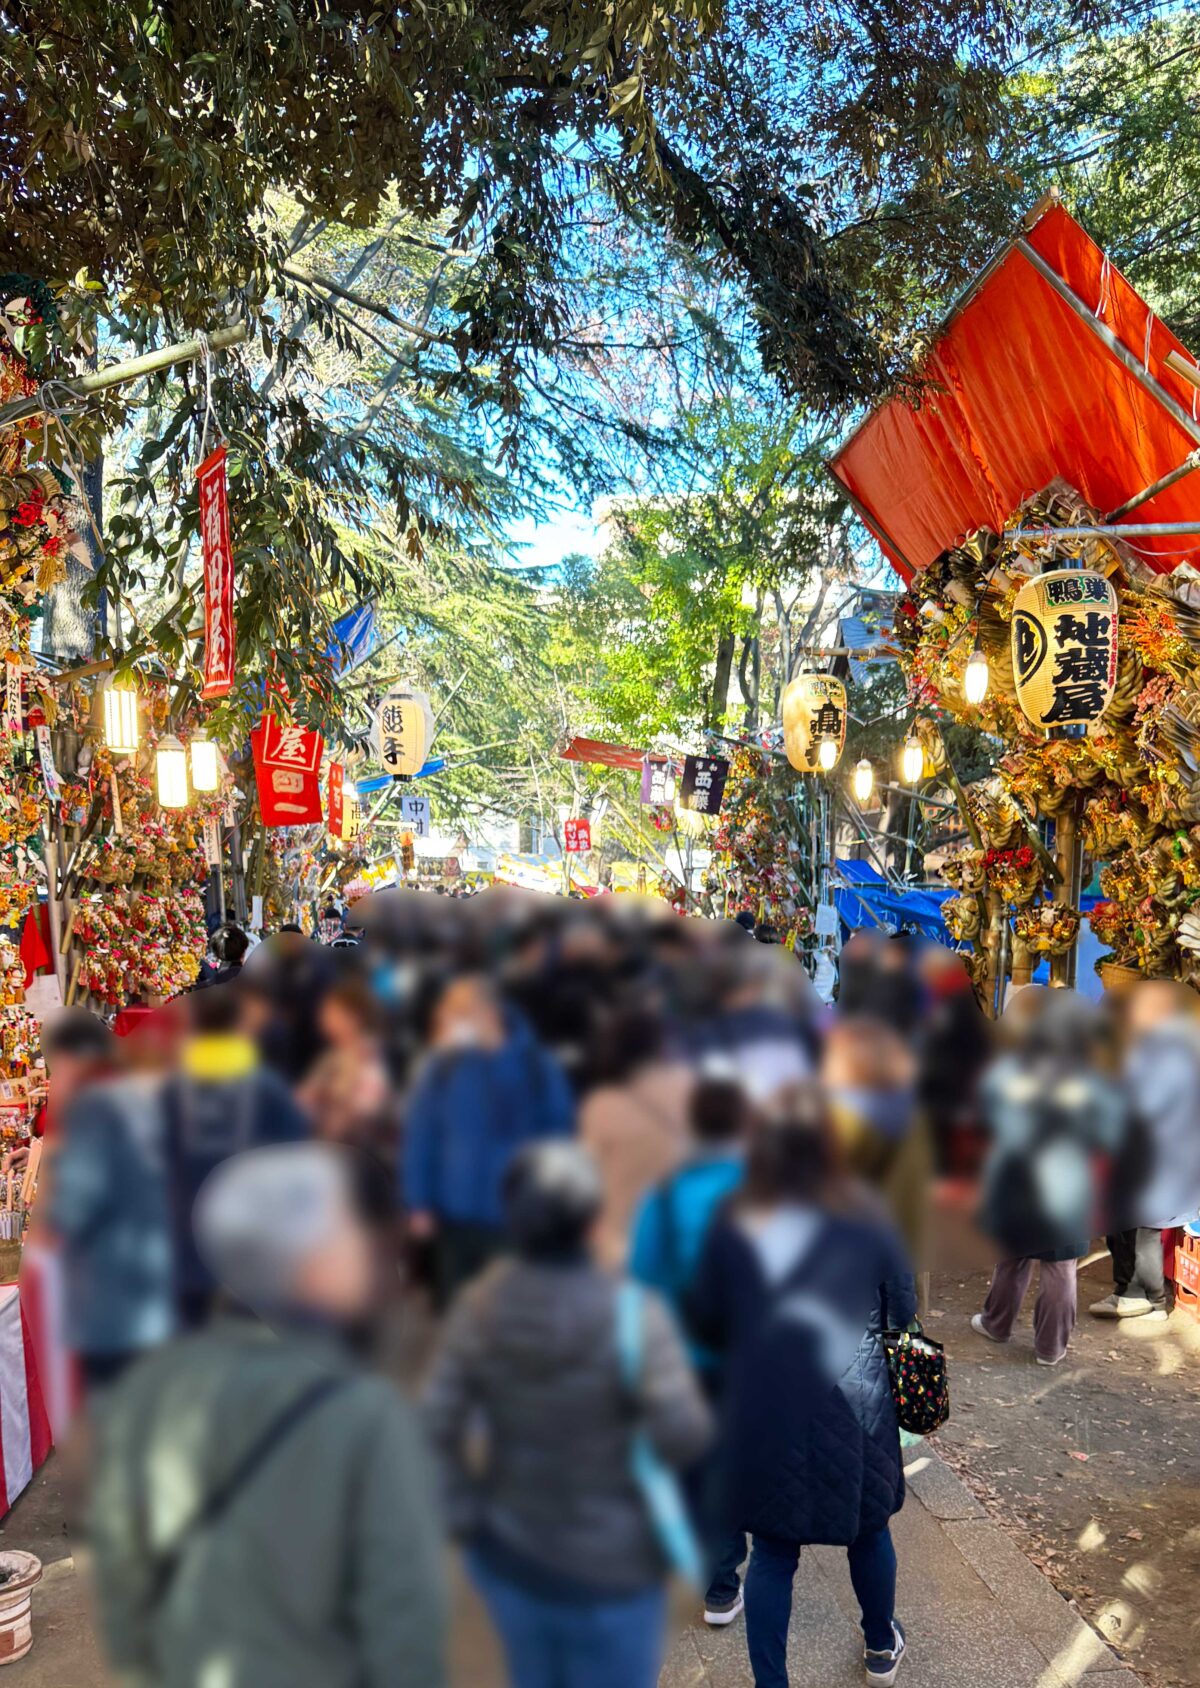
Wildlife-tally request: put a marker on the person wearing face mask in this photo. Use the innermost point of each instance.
(486, 1090)
(261, 1514)
(870, 1074)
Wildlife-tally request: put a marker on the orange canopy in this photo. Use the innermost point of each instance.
(1051, 365)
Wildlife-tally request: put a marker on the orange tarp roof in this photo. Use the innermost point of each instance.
(1027, 390)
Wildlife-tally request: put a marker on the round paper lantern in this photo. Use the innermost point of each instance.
(814, 709)
(1064, 648)
(403, 730)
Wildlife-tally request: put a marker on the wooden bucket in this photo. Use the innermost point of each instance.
(19, 1572)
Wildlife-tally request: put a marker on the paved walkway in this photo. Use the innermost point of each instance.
(977, 1613)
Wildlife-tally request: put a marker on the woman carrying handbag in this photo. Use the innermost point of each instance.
(798, 1284)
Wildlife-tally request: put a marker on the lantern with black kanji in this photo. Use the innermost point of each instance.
(1064, 649)
(403, 731)
(814, 722)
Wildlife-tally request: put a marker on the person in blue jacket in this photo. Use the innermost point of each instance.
(486, 1090)
(796, 1284)
(669, 1232)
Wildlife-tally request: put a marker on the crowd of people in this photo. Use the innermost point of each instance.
(639, 1206)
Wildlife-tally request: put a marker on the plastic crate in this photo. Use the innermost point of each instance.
(1187, 1274)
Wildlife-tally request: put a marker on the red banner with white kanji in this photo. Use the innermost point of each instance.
(220, 635)
(287, 766)
(335, 813)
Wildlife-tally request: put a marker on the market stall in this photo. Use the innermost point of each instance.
(1041, 504)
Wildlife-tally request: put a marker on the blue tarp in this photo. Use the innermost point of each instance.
(869, 901)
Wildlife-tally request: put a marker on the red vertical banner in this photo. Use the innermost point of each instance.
(220, 636)
(335, 811)
(287, 765)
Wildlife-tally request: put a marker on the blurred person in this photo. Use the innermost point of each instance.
(669, 1233)
(1055, 1119)
(229, 946)
(635, 1122)
(1157, 1187)
(757, 1026)
(878, 979)
(349, 1094)
(261, 1515)
(79, 1049)
(222, 1101)
(485, 1090)
(293, 972)
(953, 1048)
(106, 1202)
(870, 1073)
(558, 1538)
(797, 1282)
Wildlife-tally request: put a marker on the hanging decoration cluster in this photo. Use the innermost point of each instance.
(757, 835)
(1094, 689)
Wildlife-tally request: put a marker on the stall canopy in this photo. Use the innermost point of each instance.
(1050, 365)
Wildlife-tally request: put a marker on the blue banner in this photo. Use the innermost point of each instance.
(354, 636)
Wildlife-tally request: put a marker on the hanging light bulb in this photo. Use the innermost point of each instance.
(206, 768)
(912, 760)
(170, 760)
(975, 677)
(864, 780)
(828, 751)
(121, 719)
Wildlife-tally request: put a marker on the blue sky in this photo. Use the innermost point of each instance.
(544, 542)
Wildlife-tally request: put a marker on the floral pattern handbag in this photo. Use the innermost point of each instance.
(920, 1385)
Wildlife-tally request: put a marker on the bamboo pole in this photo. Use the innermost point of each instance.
(84, 387)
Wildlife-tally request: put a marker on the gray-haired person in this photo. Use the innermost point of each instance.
(260, 1511)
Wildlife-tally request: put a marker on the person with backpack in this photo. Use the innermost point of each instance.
(578, 1386)
(1058, 1122)
(669, 1233)
(261, 1514)
(799, 1279)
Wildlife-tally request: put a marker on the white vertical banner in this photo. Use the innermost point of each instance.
(14, 713)
(212, 841)
(50, 776)
(415, 815)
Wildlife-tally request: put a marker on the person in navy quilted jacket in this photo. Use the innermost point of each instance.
(797, 1282)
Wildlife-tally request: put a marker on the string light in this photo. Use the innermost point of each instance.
(864, 780)
(912, 760)
(975, 677)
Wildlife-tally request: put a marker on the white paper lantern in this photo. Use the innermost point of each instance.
(402, 726)
(864, 780)
(170, 760)
(1064, 648)
(206, 764)
(814, 709)
(121, 719)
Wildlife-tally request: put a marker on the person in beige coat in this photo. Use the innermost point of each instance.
(634, 1124)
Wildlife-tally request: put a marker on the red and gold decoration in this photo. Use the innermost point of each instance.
(220, 633)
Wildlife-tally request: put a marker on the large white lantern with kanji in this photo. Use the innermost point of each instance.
(402, 731)
(814, 722)
(1064, 648)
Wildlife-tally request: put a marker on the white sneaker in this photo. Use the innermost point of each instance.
(719, 1616)
(1057, 1362)
(980, 1329)
(1121, 1307)
(881, 1667)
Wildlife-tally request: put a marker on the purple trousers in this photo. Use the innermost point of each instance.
(1053, 1312)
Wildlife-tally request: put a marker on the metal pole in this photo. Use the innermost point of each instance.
(1110, 530)
(1190, 462)
(120, 374)
(1118, 348)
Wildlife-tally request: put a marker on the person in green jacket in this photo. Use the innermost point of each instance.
(261, 1516)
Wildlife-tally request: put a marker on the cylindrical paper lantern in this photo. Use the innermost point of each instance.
(814, 708)
(1064, 648)
(402, 725)
(171, 766)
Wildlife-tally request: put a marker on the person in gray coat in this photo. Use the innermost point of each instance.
(559, 1538)
(261, 1514)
